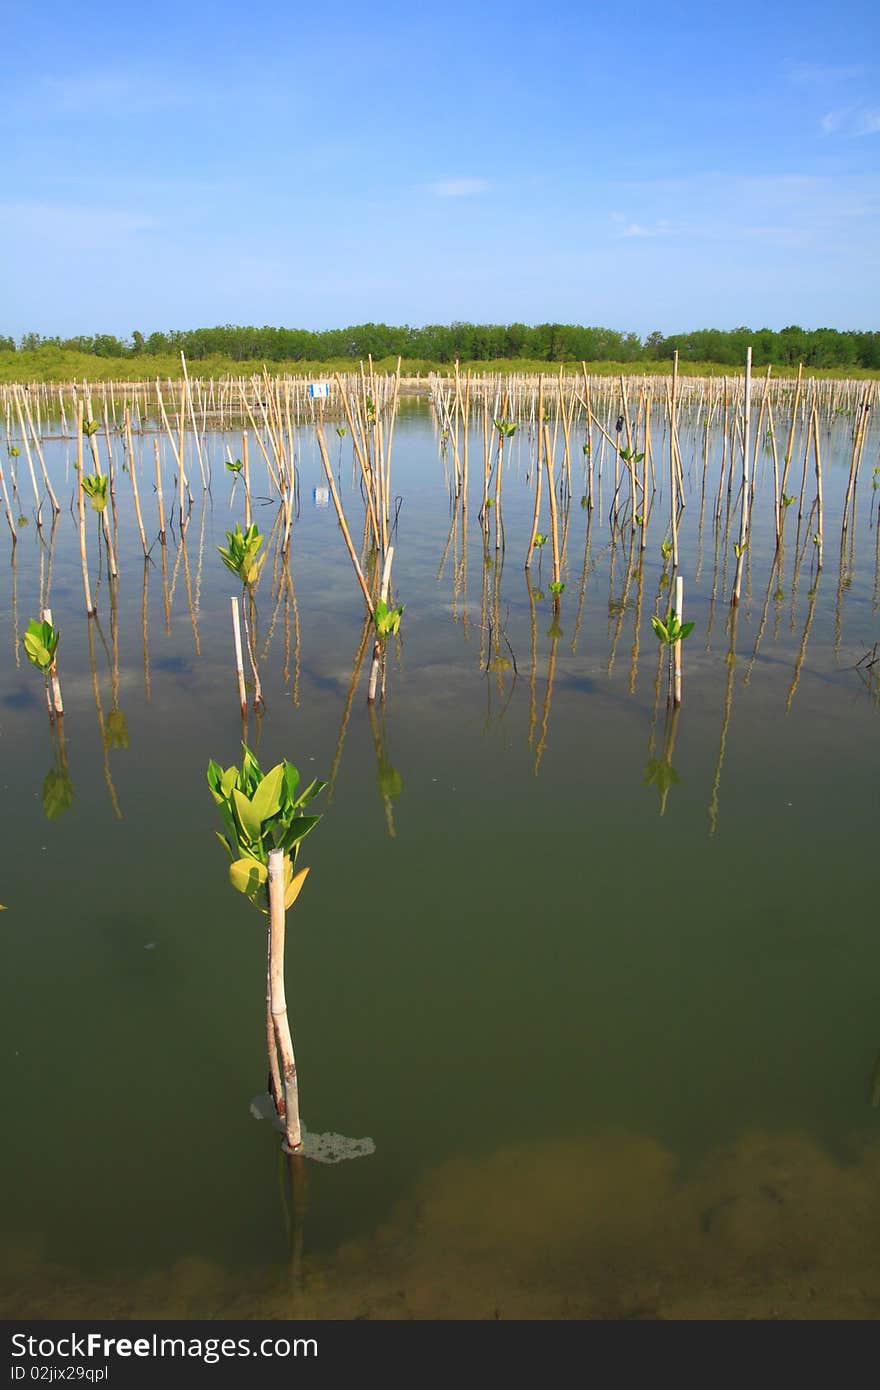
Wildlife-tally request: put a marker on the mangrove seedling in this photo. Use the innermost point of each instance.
(739, 550)
(786, 500)
(672, 630)
(262, 813)
(40, 643)
(506, 428)
(94, 485)
(241, 555)
(556, 587)
(341, 431)
(234, 465)
(666, 549)
(387, 620)
(540, 539)
(90, 427)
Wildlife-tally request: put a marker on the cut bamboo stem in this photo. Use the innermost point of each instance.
(239, 664)
(676, 652)
(278, 1003)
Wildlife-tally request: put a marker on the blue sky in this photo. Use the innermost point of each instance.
(642, 167)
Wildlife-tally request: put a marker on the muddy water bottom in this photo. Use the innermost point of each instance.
(771, 1226)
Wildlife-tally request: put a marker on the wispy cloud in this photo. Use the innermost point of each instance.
(851, 120)
(458, 188)
(116, 93)
(822, 74)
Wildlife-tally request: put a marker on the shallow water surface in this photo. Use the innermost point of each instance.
(599, 981)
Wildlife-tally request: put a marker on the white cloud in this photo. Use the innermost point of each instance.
(852, 120)
(457, 188)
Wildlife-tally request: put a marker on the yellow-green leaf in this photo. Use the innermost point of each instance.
(247, 817)
(295, 887)
(266, 800)
(247, 874)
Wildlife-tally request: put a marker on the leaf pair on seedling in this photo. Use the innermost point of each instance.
(94, 485)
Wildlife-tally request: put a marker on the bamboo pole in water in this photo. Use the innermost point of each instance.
(377, 646)
(676, 651)
(134, 487)
(342, 522)
(819, 506)
(159, 492)
(539, 441)
(744, 506)
(278, 1000)
(239, 664)
(81, 510)
(57, 703)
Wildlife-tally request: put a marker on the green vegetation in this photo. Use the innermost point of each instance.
(40, 643)
(94, 485)
(230, 350)
(672, 630)
(387, 620)
(261, 812)
(241, 556)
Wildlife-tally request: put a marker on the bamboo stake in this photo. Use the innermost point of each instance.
(676, 651)
(744, 510)
(278, 1002)
(377, 646)
(239, 664)
(342, 522)
(57, 703)
(159, 502)
(81, 510)
(134, 487)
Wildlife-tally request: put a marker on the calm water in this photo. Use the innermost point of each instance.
(615, 1062)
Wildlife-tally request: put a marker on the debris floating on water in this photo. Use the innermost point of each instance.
(323, 1148)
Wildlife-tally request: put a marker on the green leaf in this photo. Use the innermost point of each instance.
(266, 801)
(225, 843)
(247, 875)
(247, 817)
(660, 629)
(686, 628)
(312, 790)
(297, 830)
(57, 796)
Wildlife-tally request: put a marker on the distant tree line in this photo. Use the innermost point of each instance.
(482, 342)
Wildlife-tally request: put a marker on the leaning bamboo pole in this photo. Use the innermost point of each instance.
(132, 469)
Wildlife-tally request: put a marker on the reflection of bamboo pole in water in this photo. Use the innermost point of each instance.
(484, 599)
(537, 513)
(296, 635)
(249, 618)
(802, 650)
(385, 773)
(669, 732)
(725, 723)
(16, 643)
(463, 581)
(621, 606)
(165, 594)
(296, 1206)
(189, 597)
(349, 701)
(198, 594)
(533, 664)
(634, 660)
(449, 542)
(548, 695)
(144, 630)
(96, 689)
(585, 572)
(775, 575)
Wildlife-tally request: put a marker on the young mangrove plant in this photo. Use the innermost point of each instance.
(40, 643)
(241, 556)
(387, 620)
(263, 814)
(671, 634)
